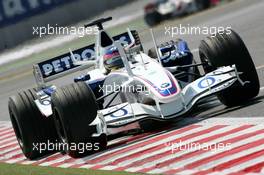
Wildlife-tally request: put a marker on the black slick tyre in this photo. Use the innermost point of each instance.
(226, 49)
(30, 126)
(74, 107)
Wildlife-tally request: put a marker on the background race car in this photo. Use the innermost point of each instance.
(159, 10)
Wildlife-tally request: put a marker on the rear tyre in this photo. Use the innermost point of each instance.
(203, 4)
(74, 107)
(228, 49)
(30, 126)
(153, 18)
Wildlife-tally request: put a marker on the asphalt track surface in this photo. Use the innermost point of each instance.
(241, 126)
(244, 16)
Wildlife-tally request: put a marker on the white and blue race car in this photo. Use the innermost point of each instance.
(126, 90)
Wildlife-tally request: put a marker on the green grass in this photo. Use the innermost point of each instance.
(14, 169)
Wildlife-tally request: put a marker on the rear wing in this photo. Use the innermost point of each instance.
(62, 65)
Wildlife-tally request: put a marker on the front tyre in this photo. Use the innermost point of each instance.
(224, 50)
(74, 107)
(30, 126)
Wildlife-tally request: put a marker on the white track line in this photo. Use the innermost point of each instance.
(260, 67)
(28, 162)
(234, 156)
(66, 165)
(6, 131)
(162, 134)
(150, 145)
(4, 128)
(188, 160)
(58, 160)
(11, 155)
(45, 159)
(7, 136)
(15, 160)
(108, 167)
(244, 165)
(216, 162)
(168, 148)
(262, 171)
(5, 124)
(9, 144)
(256, 120)
(8, 140)
(87, 166)
(10, 149)
(12, 138)
(189, 172)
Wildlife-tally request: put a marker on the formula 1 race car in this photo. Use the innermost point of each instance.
(126, 90)
(160, 10)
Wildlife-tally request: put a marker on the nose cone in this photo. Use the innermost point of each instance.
(165, 88)
(160, 83)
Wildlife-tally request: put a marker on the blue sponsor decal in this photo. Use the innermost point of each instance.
(120, 113)
(206, 82)
(13, 11)
(48, 91)
(65, 62)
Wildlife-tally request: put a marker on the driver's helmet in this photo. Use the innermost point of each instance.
(112, 59)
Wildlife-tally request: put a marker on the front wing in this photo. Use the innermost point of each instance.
(126, 116)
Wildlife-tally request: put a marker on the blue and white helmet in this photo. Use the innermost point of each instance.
(112, 59)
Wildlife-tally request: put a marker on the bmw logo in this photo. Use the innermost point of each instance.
(165, 85)
(46, 102)
(206, 82)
